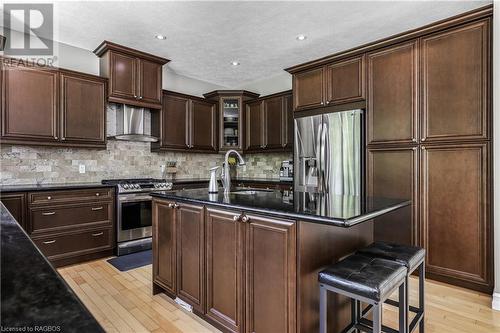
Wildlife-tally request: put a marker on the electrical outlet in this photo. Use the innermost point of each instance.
(81, 168)
(162, 168)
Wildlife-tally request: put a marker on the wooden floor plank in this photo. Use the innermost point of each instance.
(123, 302)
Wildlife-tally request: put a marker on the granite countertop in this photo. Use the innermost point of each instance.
(234, 180)
(49, 187)
(336, 210)
(33, 293)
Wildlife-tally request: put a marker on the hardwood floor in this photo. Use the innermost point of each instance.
(122, 302)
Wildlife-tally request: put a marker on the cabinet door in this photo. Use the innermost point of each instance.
(455, 213)
(254, 126)
(392, 94)
(190, 255)
(16, 205)
(288, 131)
(308, 89)
(203, 122)
(273, 123)
(29, 104)
(455, 83)
(225, 267)
(123, 76)
(149, 83)
(164, 245)
(345, 81)
(270, 275)
(175, 122)
(399, 183)
(83, 109)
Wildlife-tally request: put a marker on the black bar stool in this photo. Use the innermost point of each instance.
(364, 279)
(413, 258)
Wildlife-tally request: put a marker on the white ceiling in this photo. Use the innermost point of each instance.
(204, 37)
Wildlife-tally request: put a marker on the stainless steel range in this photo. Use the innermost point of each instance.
(134, 213)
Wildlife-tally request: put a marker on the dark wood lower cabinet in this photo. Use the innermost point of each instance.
(270, 275)
(225, 269)
(455, 214)
(392, 173)
(164, 246)
(16, 205)
(191, 255)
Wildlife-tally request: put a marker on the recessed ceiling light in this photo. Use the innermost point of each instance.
(235, 63)
(161, 37)
(301, 37)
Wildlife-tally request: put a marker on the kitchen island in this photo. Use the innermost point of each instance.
(247, 261)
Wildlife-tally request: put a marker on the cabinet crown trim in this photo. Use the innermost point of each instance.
(107, 46)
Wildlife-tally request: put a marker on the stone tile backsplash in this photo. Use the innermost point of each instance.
(121, 159)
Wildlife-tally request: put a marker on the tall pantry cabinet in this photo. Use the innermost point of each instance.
(429, 139)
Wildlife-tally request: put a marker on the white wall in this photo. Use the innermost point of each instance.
(496, 149)
(270, 85)
(175, 82)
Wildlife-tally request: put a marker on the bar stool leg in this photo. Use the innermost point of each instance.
(421, 296)
(377, 317)
(322, 309)
(355, 313)
(403, 307)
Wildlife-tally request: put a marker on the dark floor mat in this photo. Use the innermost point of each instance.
(131, 261)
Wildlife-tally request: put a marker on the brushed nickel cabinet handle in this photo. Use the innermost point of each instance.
(236, 218)
(48, 213)
(245, 219)
(49, 198)
(140, 97)
(176, 206)
(98, 234)
(97, 194)
(49, 242)
(327, 102)
(97, 208)
(171, 205)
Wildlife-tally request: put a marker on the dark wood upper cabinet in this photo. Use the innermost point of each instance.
(274, 122)
(203, 129)
(187, 123)
(455, 83)
(17, 206)
(225, 267)
(400, 183)
(30, 104)
(270, 275)
(83, 108)
(254, 126)
(269, 123)
(232, 105)
(455, 212)
(309, 89)
(164, 246)
(174, 122)
(345, 81)
(392, 94)
(53, 107)
(190, 247)
(135, 77)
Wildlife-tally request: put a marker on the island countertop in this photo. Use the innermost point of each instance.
(336, 210)
(34, 296)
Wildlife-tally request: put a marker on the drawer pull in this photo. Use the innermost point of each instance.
(98, 234)
(97, 194)
(49, 198)
(49, 242)
(97, 208)
(48, 213)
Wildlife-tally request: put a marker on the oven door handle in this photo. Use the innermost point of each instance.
(135, 199)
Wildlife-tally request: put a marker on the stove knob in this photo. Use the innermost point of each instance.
(157, 185)
(125, 186)
(137, 186)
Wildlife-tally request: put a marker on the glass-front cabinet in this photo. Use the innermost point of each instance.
(231, 116)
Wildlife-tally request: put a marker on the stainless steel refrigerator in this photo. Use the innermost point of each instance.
(328, 153)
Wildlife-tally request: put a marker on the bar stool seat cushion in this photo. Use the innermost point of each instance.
(365, 276)
(410, 256)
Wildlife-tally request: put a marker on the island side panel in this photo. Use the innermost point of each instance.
(320, 245)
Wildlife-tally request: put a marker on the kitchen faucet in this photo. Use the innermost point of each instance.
(226, 177)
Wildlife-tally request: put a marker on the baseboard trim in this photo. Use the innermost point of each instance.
(495, 303)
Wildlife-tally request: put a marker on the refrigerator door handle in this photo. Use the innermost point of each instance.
(319, 166)
(325, 157)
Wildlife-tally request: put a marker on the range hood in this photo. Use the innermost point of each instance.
(130, 124)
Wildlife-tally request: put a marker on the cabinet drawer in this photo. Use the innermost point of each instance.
(51, 197)
(77, 243)
(49, 218)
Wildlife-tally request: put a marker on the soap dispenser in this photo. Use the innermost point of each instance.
(213, 186)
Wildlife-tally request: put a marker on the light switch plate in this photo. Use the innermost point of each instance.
(81, 168)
